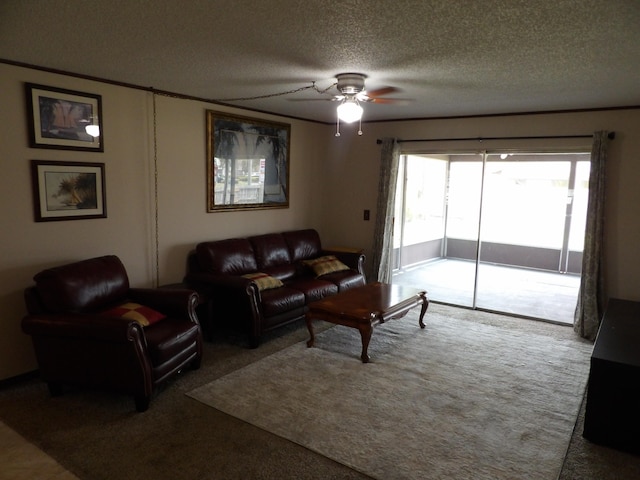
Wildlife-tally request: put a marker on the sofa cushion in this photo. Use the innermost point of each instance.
(283, 272)
(280, 300)
(264, 281)
(270, 250)
(87, 285)
(345, 279)
(303, 244)
(314, 289)
(324, 265)
(145, 316)
(233, 256)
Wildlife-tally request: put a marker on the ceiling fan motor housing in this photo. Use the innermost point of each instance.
(350, 83)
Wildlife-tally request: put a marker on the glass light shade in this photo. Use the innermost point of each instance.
(93, 130)
(349, 112)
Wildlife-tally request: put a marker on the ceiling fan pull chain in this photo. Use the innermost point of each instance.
(337, 126)
(360, 127)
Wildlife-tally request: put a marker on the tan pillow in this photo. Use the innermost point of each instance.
(264, 281)
(324, 265)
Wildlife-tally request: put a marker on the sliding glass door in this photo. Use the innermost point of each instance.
(528, 264)
(495, 231)
(437, 225)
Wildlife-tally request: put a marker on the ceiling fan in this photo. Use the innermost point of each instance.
(351, 86)
(351, 92)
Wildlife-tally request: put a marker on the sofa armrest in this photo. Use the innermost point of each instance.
(208, 282)
(179, 303)
(78, 325)
(98, 350)
(227, 294)
(220, 287)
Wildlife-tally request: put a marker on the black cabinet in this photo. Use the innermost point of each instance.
(612, 415)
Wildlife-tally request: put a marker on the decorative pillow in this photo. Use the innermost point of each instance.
(145, 316)
(324, 265)
(264, 281)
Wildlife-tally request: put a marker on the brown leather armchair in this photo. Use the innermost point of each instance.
(80, 322)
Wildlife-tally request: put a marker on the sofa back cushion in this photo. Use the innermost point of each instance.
(233, 256)
(303, 244)
(270, 251)
(83, 286)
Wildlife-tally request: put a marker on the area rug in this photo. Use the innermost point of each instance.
(468, 397)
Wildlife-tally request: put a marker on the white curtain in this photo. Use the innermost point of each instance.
(383, 234)
(591, 297)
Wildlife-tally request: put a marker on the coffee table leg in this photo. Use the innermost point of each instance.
(365, 334)
(311, 340)
(423, 310)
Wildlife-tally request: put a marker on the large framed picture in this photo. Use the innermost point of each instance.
(247, 163)
(68, 190)
(64, 119)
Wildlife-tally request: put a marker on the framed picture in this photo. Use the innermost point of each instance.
(247, 163)
(64, 119)
(68, 190)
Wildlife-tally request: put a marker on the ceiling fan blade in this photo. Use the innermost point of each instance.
(389, 101)
(381, 91)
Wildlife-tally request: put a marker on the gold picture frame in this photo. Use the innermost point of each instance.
(247, 163)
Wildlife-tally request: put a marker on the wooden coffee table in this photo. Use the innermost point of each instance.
(365, 307)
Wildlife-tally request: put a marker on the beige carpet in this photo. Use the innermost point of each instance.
(461, 399)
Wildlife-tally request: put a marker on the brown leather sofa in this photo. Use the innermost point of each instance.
(88, 328)
(227, 273)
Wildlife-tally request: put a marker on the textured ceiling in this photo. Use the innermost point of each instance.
(449, 57)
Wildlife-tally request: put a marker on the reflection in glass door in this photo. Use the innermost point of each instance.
(500, 232)
(462, 228)
(436, 225)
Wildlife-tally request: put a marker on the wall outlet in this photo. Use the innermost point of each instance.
(366, 215)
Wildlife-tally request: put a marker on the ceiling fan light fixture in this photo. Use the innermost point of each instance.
(350, 111)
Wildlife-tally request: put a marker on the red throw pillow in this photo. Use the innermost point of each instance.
(145, 316)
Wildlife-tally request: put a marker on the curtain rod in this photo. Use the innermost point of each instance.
(611, 136)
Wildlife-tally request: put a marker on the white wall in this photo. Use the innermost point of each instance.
(182, 188)
(27, 246)
(332, 180)
(353, 164)
(129, 230)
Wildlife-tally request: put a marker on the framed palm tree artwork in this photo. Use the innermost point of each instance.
(247, 163)
(68, 190)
